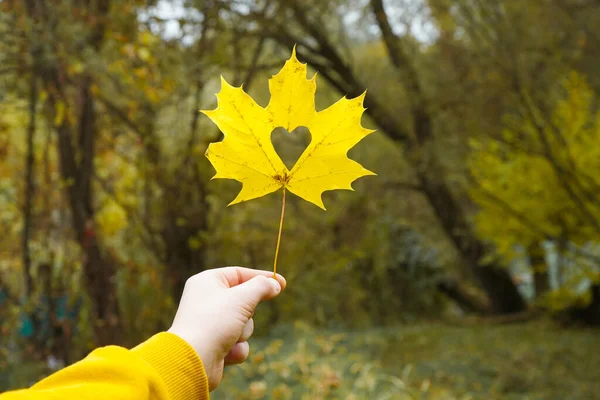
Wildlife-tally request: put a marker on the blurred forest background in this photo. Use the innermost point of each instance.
(468, 268)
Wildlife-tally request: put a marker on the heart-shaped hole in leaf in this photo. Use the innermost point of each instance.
(290, 145)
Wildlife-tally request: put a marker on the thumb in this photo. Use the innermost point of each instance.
(258, 289)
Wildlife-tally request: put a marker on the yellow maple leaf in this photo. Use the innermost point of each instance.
(246, 152)
(247, 155)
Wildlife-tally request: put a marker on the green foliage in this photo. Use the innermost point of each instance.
(535, 361)
(517, 80)
(538, 182)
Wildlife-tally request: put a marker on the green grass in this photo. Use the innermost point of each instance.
(534, 361)
(525, 361)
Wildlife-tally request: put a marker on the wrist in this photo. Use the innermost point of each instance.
(202, 349)
(177, 364)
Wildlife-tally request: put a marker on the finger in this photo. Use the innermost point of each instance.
(255, 290)
(237, 275)
(238, 353)
(248, 330)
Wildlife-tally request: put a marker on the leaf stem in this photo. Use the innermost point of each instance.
(279, 235)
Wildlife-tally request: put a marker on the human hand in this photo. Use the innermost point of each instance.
(215, 314)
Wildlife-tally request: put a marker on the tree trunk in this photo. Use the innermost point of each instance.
(184, 208)
(539, 269)
(183, 260)
(99, 269)
(29, 300)
(590, 314)
(493, 277)
(77, 162)
(495, 280)
(186, 200)
(29, 185)
(467, 302)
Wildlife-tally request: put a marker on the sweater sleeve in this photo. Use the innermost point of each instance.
(162, 368)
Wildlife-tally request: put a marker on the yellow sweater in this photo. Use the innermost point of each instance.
(162, 368)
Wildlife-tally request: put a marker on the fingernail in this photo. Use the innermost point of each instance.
(276, 285)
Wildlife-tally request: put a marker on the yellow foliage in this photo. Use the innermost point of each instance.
(534, 183)
(248, 156)
(111, 219)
